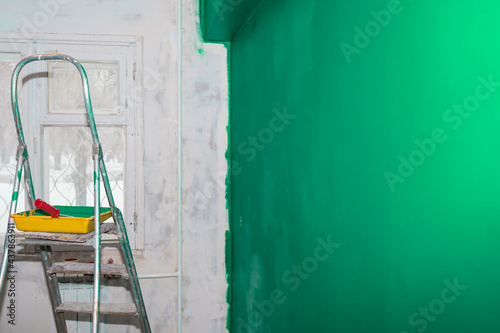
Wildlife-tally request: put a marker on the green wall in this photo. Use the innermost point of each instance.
(365, 196)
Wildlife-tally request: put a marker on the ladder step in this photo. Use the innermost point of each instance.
(87, 268)
(50, 238)
(104, 308)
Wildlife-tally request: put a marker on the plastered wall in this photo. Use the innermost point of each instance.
(201, 121)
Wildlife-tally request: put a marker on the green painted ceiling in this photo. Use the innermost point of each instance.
(222, 19)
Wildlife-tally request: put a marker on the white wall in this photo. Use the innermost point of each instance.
(204, 141)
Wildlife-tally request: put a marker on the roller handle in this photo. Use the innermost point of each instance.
(39, 203)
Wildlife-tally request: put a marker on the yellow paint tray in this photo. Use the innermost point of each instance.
(72, 219)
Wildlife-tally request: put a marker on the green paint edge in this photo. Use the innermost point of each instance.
(228, 236)
(202, 12)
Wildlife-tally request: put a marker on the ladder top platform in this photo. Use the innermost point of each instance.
(57, 238)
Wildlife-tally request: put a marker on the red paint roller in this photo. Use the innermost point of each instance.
(54, 213)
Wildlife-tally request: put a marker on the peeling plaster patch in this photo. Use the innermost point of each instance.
(201, 87)
(132, 17)
(212, 142)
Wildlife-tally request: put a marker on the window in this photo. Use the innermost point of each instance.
(57, 133)
(10, 55)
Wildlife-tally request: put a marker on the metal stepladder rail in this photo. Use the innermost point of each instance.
(49, 240)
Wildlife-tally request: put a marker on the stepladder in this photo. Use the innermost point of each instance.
(47, 241)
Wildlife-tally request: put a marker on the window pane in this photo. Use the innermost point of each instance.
(65, 88)
(8, 140)
(69, 167)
